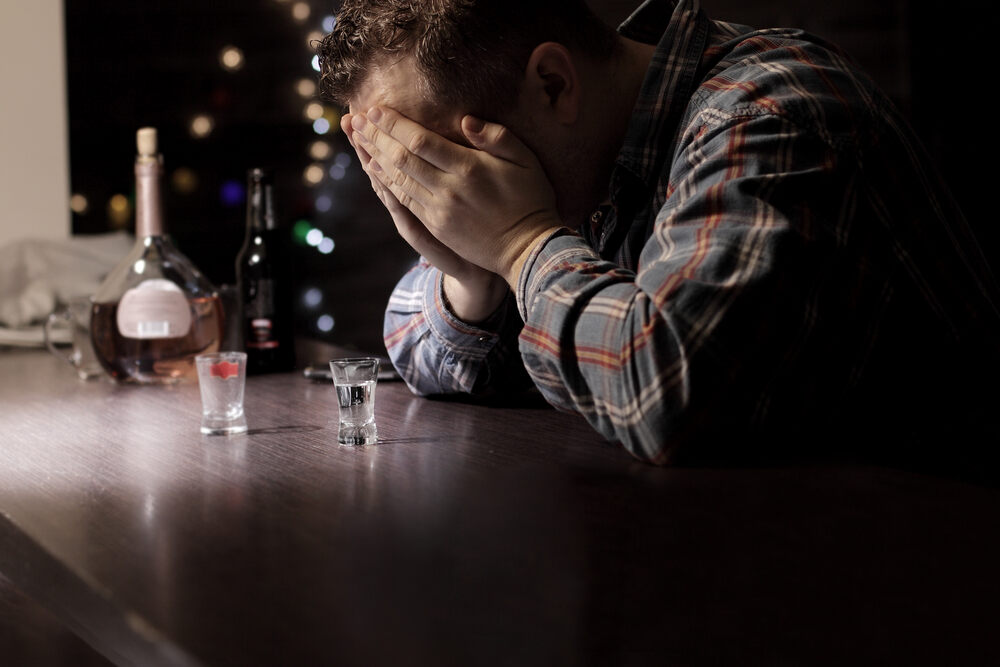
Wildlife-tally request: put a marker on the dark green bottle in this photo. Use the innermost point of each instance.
(262, 278)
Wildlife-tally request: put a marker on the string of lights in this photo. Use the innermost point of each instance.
(323, 161)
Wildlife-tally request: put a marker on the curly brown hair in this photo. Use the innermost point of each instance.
(470, 53)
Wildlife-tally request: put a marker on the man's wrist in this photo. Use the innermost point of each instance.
(513, 273)
(474, 299)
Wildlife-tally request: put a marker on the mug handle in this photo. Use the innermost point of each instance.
(53, 318)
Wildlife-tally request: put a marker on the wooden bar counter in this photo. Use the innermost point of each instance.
(472, 534)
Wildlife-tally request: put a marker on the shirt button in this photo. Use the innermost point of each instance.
(596, 216)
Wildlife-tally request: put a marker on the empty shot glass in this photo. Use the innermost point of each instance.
(81, 356)
(354, 380)
(222, 377)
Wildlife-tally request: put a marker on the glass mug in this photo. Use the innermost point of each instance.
(76, 316)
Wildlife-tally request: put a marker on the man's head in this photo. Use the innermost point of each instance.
(469, 55)
(559, 78)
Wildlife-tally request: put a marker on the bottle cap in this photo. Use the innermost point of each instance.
(259, 174)
(145, 141)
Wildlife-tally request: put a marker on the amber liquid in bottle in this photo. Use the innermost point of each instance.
(155, 311)
(143, 359)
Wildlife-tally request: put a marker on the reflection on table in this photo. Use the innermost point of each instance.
(460, 540)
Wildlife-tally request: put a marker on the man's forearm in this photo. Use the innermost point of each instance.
(436, 353)
(474, 299)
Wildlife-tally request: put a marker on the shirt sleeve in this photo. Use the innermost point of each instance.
(721, 305)
(437, 353)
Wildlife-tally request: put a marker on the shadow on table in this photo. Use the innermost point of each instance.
(426, 440)
(522, 399)
(285, 429)
(968, 453)
(31, 635)
(968, 456)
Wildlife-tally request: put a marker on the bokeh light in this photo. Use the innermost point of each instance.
(326, 245)
(312, 37)
(315, 63)
(323, 203)
(339, 167)
(313, 174)
(301, 11)
(119, 210)
(321, 126)
(332, 117)
(313, 111)
(231, 58)
(325, 323)
(232, 193)
(314, 237)
(320, 150)
(78, 203)
(313, 297)
(201, 126)
(184, 180)
(300, 230)
(222, 98)
(305, 87)
(329, 22)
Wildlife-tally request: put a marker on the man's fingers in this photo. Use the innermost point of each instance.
(416, 235)
(362, 154)
(408, 192)
(408, 226)
(395, 165)
(413, 232)
(496, 140)
(415, 138)
(345, 125)
(390, 154)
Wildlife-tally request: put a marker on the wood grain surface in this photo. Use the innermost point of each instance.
(471, 534)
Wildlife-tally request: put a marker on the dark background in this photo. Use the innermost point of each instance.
(158, 63)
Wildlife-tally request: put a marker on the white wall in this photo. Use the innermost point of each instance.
(34, 146)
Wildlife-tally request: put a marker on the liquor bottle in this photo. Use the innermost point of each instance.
(155, 311)
(262, 277)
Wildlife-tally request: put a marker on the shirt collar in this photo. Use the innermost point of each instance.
(681, 34)
(669, 83)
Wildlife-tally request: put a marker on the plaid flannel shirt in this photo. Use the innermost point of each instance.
(779, 257)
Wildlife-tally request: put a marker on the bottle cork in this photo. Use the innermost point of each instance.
(145, 140)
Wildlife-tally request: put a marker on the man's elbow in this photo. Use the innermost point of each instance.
(679, 438)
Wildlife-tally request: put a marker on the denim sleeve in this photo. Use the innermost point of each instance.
(437, 353)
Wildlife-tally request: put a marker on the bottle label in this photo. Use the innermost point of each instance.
(258, 313)
(154, 309)
(260, 337)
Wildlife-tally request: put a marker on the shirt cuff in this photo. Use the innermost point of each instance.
(563, 247)
(471, 340)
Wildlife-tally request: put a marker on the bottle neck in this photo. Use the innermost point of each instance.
(260, 210)
(148, 204)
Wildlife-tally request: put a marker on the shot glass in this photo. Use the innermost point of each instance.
(76, 316)
(354, 380)
(222, 377)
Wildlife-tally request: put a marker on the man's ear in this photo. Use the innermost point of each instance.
(552, 82)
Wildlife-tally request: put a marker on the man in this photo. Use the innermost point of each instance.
(699, 236)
